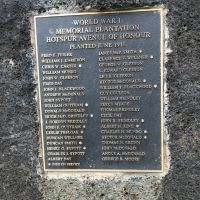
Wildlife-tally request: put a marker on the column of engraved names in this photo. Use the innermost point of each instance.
(65, 117)
(121, 124)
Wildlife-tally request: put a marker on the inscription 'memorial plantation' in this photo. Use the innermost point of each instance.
(101, 90)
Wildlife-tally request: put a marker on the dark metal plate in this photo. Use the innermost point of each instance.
(100, 87)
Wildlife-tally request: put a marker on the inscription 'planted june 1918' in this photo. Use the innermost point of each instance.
(100, 87)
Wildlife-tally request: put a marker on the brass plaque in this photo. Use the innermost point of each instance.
(100, 81)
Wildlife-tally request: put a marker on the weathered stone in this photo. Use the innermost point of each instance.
(19, 135)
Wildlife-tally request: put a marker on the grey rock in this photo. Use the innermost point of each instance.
(19, 132)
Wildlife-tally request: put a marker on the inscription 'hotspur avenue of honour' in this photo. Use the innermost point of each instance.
(100, 80)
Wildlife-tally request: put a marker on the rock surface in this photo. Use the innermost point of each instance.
(19, 132)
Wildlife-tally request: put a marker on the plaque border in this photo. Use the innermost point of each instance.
(158, 9)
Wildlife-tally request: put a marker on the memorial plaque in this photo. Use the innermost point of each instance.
(100, 81)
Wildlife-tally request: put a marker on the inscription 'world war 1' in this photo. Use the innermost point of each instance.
(100, 88)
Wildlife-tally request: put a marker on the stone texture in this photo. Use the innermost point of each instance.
(19, 132)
